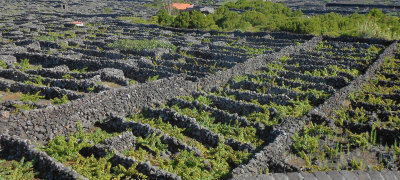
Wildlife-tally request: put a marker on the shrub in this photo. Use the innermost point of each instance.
(36, 80)
(305, 143)
(17, 170)
(164, 18)
(271, 16)
(3, 64)
(182, 20)
(64, 99)
(31, 97)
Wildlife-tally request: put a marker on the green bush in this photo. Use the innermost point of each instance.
(3, 64)
(305, 143)
(182, 20)
(271, 16)
(164, 18)
(16, 170)
(62, 100)
(31, 97)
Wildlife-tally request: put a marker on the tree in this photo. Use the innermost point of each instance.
(164, 18)
(254, 18)
(182, 20)
(199, 20)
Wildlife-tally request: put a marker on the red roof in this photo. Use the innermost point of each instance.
(181, 6)
(77, 22)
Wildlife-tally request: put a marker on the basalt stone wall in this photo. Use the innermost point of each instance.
(44, 124)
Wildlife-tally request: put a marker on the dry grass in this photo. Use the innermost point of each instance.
(10, 95)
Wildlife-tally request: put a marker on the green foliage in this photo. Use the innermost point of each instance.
(204, 118)
(138, 20)
(132, 82)
(182, 20)
(107, 11)
(3, 64)
(206, 40)
(284, 59)
(67, 76)
(64, 99)
(31, 97)
(141, 44)
(357, 164)
(152, 78)
(240, 78)
(91, 88)
(153, 143)
(66, 150)
(204, 100)
(305, 143)
(26, 107)
(83, 70)
(48, 38)
(16, 170)
(36, 80)
(159, 124)
(259, 15)
(358, 140)
(215, 163)
(200, 21)
(164, 18)
(337, 69)
(131, 171)
(254, 18)
(24, 63)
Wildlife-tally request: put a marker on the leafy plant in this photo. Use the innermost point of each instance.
(132, 82)
(305, 143)
(31, 97)
(24, 64)
(152, 78)
(90, 88)
(3, 64)
(64, 99)
(83, 70)
(19, 107)
(17, 170)
(67, 76)
(36, 80)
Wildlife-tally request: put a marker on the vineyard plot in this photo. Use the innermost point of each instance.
(208, 134)
(57, 63)
(362, 136)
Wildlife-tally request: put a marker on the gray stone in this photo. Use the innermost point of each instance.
(362, 175)
(375, 175)
(321, 175)
(265, 177)
(280, 176)
(389, 175)
(397, 174)
(9, 59)
(335, 175)
(35, 46)
(308, 176)
(348, 175)
(295, 176)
